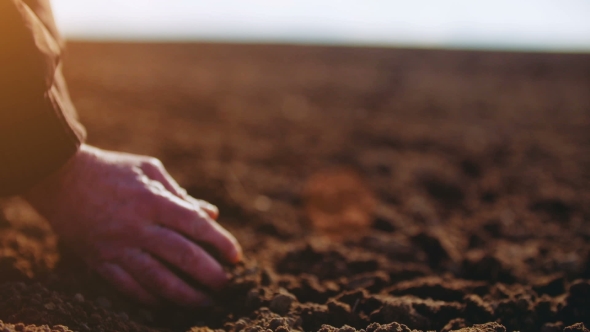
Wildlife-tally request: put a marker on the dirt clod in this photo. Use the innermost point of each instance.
(281, 303)
(488, 327)
(578, 327)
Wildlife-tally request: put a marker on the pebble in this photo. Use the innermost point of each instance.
(240, 324)
(276, 322)
(281, 303)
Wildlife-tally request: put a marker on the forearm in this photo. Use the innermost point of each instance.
(38, 128)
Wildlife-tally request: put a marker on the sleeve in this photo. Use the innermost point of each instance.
(39, 130)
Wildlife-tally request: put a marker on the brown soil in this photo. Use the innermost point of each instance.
(470, 170)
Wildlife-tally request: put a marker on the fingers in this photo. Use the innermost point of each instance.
(118, 277)
(156, 278)
(154, 170)
(186, 256)
(181, 216)
(211, 209)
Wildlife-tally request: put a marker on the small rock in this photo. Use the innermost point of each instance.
(281, 303)
(253, 298)
(276, 322)
(240, 324)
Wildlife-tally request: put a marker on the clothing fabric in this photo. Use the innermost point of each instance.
(39, 130)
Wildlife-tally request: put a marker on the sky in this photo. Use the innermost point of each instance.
(545, 25)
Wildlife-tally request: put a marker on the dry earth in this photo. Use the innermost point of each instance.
(470, 168)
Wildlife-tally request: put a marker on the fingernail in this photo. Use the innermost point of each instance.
(213, 208)
(237, 255)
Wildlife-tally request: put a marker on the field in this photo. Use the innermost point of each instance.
(434, 189)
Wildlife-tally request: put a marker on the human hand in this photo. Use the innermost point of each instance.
(124, 215)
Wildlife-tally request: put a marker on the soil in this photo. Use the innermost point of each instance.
(376, 189)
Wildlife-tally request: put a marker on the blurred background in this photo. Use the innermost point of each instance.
(545, 25)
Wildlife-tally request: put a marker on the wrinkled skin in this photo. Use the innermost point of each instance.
(124, 215)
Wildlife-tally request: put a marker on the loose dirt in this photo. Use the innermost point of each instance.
(376, 189)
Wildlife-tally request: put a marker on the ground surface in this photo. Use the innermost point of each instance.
(471, 170)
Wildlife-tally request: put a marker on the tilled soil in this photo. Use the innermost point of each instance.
(376, 189)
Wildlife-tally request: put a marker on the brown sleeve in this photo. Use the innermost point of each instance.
(39, 131)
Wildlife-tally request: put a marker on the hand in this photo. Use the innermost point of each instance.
(125, 215)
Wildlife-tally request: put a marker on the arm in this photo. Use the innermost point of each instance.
(38, 127)
(122, 213)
